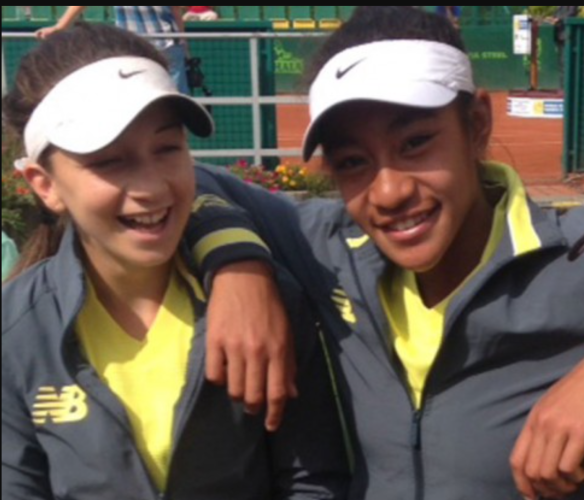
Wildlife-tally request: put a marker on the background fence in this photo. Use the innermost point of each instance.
(255, 53)
(574, 100)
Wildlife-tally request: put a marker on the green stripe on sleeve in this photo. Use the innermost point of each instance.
(222, 238)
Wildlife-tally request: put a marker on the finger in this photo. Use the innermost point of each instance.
(572, 461)
(236, 376)
(534, 457)
(215, 365)
(518, 460)
(548, 486)
(556, 483)
(558, 488)
(277, 393)
(291, 372)
(255, 385)
(549, 469)
(545, 490)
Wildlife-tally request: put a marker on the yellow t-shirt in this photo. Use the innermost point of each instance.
(148, 376)
(418, 330)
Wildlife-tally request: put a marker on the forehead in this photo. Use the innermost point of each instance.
(354, 117)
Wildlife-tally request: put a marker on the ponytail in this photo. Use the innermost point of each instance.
(42, 243)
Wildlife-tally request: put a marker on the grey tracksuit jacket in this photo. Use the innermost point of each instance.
(65, 436)
(515, 329)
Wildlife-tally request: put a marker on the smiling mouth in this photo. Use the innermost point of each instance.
(147, 222)
(409, 223)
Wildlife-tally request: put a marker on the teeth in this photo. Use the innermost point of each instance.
(409, 223)
(148, 220)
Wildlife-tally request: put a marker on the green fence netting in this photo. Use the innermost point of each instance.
(574, 98)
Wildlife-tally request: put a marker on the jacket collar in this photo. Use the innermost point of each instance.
(66, 276)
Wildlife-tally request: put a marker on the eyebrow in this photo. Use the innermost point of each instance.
(409, 116)
(403, 119)
(169, 126)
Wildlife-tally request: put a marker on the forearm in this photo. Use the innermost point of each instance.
(289, 233)
(249, 339)
(274, 218)
(177, 13)
(219, 234)
(69, 16)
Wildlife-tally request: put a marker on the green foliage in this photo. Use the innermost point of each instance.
(16, 194)
(541, 12)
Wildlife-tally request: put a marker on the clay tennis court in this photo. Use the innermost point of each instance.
(532, 146)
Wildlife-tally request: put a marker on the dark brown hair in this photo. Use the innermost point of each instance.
(39, 71)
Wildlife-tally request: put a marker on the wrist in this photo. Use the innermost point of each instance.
(246, 267)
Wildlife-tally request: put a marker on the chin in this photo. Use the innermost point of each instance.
(412, 262)
(153, 259)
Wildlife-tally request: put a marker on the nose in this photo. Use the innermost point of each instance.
(147, 179)
(391, 188)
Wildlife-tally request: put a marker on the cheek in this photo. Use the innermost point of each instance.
(186, 182)
(352, 187)
(356, 203)
(88, 195)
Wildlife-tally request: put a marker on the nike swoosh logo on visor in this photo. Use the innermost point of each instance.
(343, 72)
(130, 74)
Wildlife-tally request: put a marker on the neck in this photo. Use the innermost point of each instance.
(132, 299)
(463, 256)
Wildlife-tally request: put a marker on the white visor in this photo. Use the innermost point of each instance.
(415, 73)
(91, 107)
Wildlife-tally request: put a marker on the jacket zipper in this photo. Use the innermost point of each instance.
(416, 442)
(416, 424)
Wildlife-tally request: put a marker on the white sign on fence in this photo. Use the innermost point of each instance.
(522, 34)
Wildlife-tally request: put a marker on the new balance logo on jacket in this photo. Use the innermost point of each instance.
(59, 407)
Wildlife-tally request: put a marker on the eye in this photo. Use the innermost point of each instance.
(416, 142)
(167, 149)
(346, 164)
(105, 163)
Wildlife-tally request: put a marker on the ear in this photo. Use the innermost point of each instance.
(44, 187)
(482, 122)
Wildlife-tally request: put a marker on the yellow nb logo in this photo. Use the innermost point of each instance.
(59, 408)
(344, 305)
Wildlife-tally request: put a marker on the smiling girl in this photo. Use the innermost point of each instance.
(103, 338)
(459, 329)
